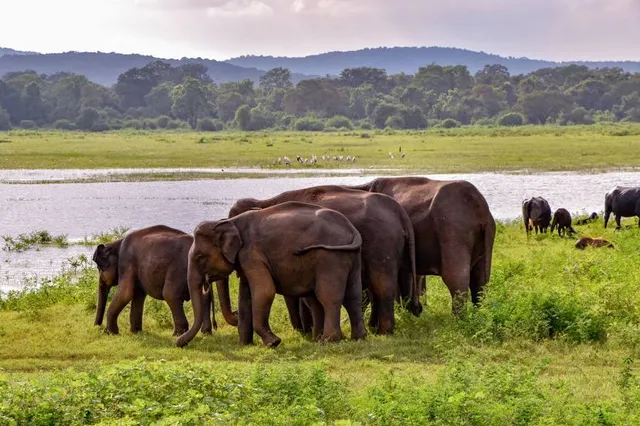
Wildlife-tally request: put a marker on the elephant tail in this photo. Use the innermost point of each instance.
(487, 235)
(414, 306)
(355, 245)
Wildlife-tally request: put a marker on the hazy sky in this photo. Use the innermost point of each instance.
(219, 29)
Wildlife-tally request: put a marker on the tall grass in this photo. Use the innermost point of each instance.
(553, 342)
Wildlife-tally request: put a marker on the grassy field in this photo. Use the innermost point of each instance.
(554, 342)
(472, 149)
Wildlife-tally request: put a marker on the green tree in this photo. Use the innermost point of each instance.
(5, 120)
(87, 119)
(356, 77)
(159, 100)
(243, 118)
(190, 101)
(34, 107)
(539, 107)
(227, 105)
(276, 79)
(320, 96)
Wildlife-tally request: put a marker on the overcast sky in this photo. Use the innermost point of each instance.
(219, 29)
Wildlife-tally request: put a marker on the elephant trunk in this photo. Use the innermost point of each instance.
(195, 280)
(103, 293)
(225, 302)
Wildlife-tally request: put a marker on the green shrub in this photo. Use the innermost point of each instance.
(150, 124)
(5, 120)
(87, 118)
(207, 125)
(449, 123)
(28, 124)
(133, 124)
(162, 122)
(511, 119)
(100, 126)
(309, 124)
(340, 122)
(64, 125)
(394, 122)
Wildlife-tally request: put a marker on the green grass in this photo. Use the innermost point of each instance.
(554, 342)
(597, 147)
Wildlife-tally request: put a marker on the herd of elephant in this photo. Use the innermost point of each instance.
(319, 247)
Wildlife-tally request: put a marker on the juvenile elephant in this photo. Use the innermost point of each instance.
(453, 227)
(150, 261)
(388, 248)
(536, 214)
(294, 249)
(622, 202)
(583, 242)
(562, 219)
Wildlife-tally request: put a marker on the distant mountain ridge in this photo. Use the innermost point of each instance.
(408, 59)
(104, 68)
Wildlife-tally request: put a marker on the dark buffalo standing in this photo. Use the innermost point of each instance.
(536, 214)
(454, 231)
(622, 201)
(562, 219)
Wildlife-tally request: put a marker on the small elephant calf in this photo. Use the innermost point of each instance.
(150, 261)
(583, 242)
(562, 219)
(593, 216)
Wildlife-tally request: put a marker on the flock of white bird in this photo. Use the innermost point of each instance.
(314, 160)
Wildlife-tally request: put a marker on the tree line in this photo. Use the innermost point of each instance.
(160, 95)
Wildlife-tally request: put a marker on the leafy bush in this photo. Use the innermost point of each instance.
(133, 124)
(309, 124)
(207, 125)
(449, 123)
(340, 122)
(243, 118)
(28, 124)
(150, 124)
(64, 125)
(100, 126)
(511, 119)
(87, 118)
(162, 122)
(5, 120)
(394, 122)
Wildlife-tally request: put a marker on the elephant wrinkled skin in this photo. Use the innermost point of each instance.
(536, 214)
(454, 231)
(150, 261)
(388, 247)
(622, 202)
(294, 249)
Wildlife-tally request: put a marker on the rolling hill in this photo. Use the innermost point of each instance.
(104, 68)
(408, 60)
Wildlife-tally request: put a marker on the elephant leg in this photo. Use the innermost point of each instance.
(374, 317)
(383, 300)
(317, 313)
(330, 297)
(306, 315)
(124, 295)
(353, 304)
(137, 306)
(245, 315)
(423, 284)
(618, 217)
(263, 291)
(180, 322)
(456, 275)
(295, 313)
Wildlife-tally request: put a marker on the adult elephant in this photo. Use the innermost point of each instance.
(388, 248)
(622, 201)
(454, 231)
(294, 249)
(536, 214)
(150, 261)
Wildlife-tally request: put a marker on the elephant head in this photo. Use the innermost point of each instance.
(212, 257)
(106, 259)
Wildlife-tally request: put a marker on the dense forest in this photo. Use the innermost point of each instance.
(160, 95)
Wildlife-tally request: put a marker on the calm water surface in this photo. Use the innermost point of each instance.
(84, 209)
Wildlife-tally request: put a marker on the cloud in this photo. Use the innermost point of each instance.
(551, 29)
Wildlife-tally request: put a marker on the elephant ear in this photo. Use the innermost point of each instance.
(101, 256)
(230, 241)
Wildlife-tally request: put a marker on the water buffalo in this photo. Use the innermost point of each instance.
(536, 214)
(562, 219)
(622, 201)
(593, 216)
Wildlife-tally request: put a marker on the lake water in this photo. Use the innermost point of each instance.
(84, 209)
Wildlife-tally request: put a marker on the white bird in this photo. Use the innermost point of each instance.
(340, 158)
(348, 158)
(298, 159)
(353, 159)
(391, 156)
(335, 158)
(305, 161)
(287, 162)
(314, 159)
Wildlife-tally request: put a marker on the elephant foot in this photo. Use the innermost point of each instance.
(359, 334)
(333, 337)
(272, 342)
(108, 330)
(136, 330)
(206, 330)
(179, 331)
